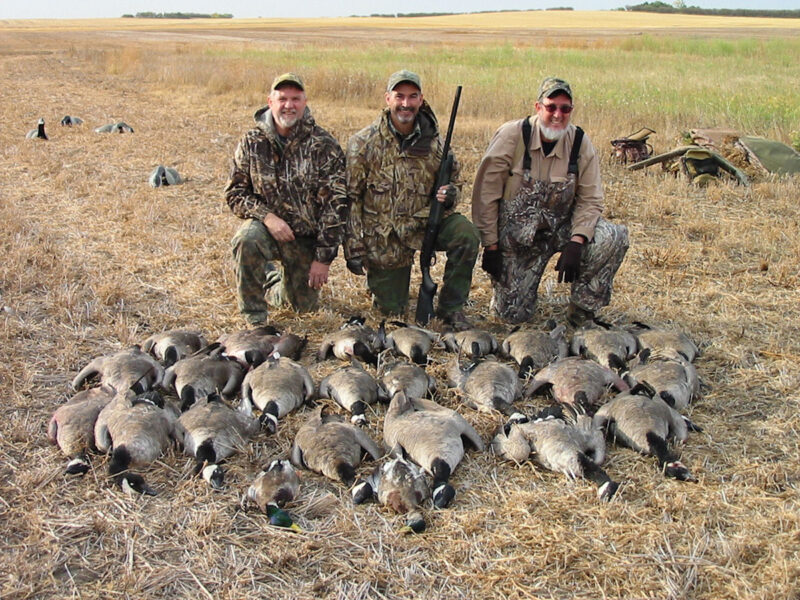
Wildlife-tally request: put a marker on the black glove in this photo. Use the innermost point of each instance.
(355, 266)
(569, 262)
(450, 197)
(492, 262)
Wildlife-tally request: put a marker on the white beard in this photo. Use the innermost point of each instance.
(551, 135)
(286, 121)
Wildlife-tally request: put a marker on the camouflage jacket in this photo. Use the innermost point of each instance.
(389, 186)
(301, 180)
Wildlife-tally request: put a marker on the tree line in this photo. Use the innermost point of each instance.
(680, 7)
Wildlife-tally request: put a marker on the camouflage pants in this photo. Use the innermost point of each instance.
(253, 250)
(459, 239)
(515, 293)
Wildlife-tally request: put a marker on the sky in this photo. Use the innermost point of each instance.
(59, 9)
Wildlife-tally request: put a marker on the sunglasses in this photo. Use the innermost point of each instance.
(552, 107)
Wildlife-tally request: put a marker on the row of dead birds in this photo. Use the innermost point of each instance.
(160, 176)
(651, 368)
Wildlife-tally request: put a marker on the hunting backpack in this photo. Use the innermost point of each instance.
(634, 147)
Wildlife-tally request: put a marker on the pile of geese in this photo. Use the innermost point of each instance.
(622, 385)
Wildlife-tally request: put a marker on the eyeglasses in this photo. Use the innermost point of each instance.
(552, 107)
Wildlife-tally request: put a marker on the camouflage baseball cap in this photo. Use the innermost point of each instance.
(551, 85)
(399, 77)
(289, 78)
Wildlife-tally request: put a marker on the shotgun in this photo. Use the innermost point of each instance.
(427, 289)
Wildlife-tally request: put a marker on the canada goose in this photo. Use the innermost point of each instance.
(72, 426)
(277, 386)
(432, 436)
(138, 428)
(353, 389)
(171, 346)
(411, 379)
(534, 350)
(119, 127)
(354, 338)
(489, 384)
(126, 369)
(163, 176)
(646, 425)
(575, 450)
(400, 485)
(249, 346)
(475, 343)
(411, 341)
(68, 121)
(658, 339)
(197, 376)
(673, 378)
(278, 485)
(290, 345)
(326, 444)
(610, 346)
(211, 431)
(38, 133)
(576, 381)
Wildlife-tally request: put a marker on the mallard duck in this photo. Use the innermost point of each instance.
(124, 370)
(277, 484)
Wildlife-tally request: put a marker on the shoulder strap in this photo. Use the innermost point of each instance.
(526, 140)
(576, 148)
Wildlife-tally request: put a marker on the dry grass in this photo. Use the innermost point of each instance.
(94, 259)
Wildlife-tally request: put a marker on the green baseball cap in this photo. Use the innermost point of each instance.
(551, 85)
(399, 77)
(289, 78)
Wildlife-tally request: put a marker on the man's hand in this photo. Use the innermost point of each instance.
(447, 195)
(278, 228)
(318, 275)
(492, 261)
(356, 266)
(569, 262)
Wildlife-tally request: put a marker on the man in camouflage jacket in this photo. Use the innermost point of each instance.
(288, 183)
(391, 169)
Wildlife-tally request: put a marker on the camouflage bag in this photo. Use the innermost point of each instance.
(700, 165)
(634, 147)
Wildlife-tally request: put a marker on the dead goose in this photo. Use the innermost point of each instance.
(136, 429)
(38, 133)
(72, 426)
(610, 346)
(211, 431)
(119, 127)
(164, 176)
(659, 339)
(411, 379)
(249, 346)
(534, 350)
(576, 381)
(276, 485)
(353, 388)
(673, 378)
(474, 343)
(488, 384)
(198, 376)
(411, 341)
(575, 450)
(277, 386)
(124, 370)
(646, 425)
(171, 346)
(354, 338)
(327, 445)
(400, 485)
(69, 121)
(432, 436)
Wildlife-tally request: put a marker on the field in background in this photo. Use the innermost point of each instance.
(94, 260)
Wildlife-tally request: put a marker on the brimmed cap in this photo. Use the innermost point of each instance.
(399, 77)
(551, 85)
(290, 78)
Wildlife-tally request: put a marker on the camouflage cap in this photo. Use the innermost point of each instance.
(289, 78)
(399, 77)
(551, 85)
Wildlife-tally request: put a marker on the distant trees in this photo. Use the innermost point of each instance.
(680, 7)
(178, 15)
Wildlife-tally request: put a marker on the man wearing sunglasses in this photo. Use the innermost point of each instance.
(537, 193)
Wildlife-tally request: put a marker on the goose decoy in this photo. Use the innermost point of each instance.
(69, 121)
(277, 485)
(124, 370)
(488, 384)
(534, 350)
(72, 426)
(38, 133)
(354, 338)
(277, 387)
(171, 346)
(576, 450)
(353, 388)
(474, 343)
(406, 377)
(610, 346)
(411, 341)
(327, 445)
(658, 339)
(162, 176)
(119, 127)
(673, 378)
(431, 435)
(198, 376)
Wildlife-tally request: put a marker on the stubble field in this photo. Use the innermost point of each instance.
(95, 260)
